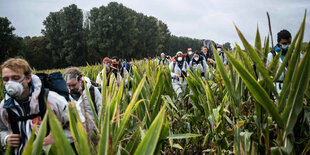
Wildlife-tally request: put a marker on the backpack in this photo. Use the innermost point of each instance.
(54, 82)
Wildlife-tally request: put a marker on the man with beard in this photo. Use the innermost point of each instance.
(75, 82)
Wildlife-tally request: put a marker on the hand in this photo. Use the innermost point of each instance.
(177, 76)
(210, 60)
(48, 140)
(13, 140)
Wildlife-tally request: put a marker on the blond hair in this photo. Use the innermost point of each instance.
(17, 65)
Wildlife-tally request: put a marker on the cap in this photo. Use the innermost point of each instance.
(179, 52)
(106, 59)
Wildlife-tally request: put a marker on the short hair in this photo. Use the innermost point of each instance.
(73, 72)
(196, 52)
(204, 47)
(284, 34)
(115, 57)
(17, 65)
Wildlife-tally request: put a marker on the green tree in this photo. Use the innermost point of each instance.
(64, 31)
(10, 44)
(227, 46)
(36, 52)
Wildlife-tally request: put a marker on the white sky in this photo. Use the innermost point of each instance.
(202, 19)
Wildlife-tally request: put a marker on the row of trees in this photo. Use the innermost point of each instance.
(71, 37)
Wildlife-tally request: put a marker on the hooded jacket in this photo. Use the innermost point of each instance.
(57, 103)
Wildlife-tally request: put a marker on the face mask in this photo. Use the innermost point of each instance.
(190, 52)
(180, 58)
(196, 58)
(106, 66)
(219, 50)
(285, 47)
(14, 89)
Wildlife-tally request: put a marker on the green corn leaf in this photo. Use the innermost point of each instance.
(29, 146)
(129, 110)
(266, 50)
(78, 131)
(291, 48)
(183, 136)
(257, 91)
(258, 43)
(105, 132)
(61, 142)
(245, 60)
(300, 83)
(92, 104)
(306, 149)
(38, 143)
(220, 68)
(258, 62)
(293, 64)
(150, 140)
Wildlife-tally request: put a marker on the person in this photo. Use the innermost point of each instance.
(209, 57)
(163, 60)
(20, 109)
(75, 82)
(116, 66)
(107, 64)
(284, 39)
(188, 56)
(198, 62)
(221, 53)
(178, 70)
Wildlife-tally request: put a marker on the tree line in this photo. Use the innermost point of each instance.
(73, 37)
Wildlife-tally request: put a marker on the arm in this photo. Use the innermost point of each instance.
(4, 131)
(205, 67)
(173, 75)
(59, 105)
(269, 59)
(98, 99)
(98, 79)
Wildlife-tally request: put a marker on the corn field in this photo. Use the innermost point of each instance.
(236, 110)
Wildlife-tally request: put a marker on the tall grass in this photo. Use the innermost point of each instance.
(235, 110)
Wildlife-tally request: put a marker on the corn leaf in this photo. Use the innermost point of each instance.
(257, 91)
(150, 140)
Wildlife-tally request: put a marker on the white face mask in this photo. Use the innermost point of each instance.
(196, 58)
(219, 50)
(190, 52)
(14, 89)
(180, 58)
(106, 66)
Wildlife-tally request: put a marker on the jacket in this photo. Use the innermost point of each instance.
(57, 103)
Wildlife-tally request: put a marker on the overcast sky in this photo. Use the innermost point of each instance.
(202, 19)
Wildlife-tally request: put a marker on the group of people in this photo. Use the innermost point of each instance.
(181, 64)
(21, 108)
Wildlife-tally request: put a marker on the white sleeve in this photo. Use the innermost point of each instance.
(98, 99)
(171, 69)
(269, 59)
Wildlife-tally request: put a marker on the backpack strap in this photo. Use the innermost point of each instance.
(92, 95)
(42, 101)
(173, 69)
(14, 119)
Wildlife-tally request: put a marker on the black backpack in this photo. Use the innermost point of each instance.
(54, 82)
